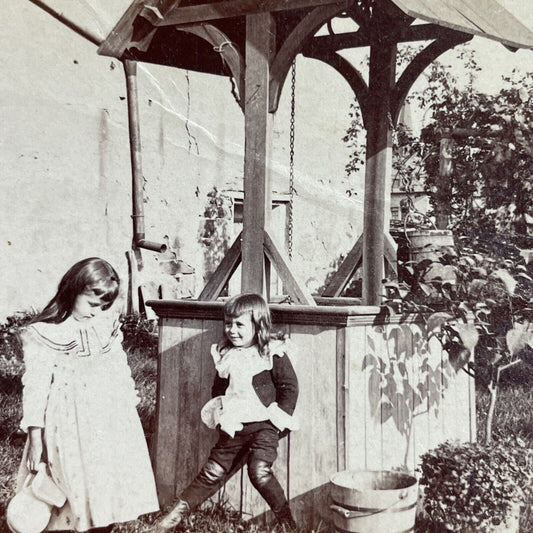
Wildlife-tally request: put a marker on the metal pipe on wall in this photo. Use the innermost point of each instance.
(139, 241)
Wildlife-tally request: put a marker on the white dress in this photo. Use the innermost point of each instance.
(78, 386)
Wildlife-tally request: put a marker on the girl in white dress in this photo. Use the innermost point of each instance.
(79, 405)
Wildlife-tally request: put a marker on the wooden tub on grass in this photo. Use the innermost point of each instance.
(374, 395)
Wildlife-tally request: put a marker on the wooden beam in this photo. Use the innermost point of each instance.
(419, 64)
(378, 168)
(293, 44)
(130, 30)
(346, 270)
(354, 78)
(296, 290)
(362, 38)
(176, 15)
(260, 36)
(223, 273)
(226, 49)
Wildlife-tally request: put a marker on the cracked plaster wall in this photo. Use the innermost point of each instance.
(65, 191)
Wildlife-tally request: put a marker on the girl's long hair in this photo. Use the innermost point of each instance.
(89, 276)
(257, 307)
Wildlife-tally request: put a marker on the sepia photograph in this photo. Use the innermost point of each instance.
(330, 198)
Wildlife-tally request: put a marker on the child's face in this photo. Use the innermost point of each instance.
(87, 306)
(240, 330)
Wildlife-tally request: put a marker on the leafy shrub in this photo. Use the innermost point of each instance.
(140, 334)
(470, 487)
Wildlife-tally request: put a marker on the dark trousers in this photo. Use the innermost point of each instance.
(256, 445)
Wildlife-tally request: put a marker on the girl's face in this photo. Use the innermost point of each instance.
(87, 306)
(240, 330)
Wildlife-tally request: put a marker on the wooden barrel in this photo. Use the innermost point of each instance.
(373, 501)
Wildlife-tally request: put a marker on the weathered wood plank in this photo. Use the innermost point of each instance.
(314, 456)
(165, 444)
(223, 273)
(229, 9)
(436, 411)
(189, 380)
(357, 385)
(346, 270)
(295, 288)
(307, 27)
(260, 35)
(374, 437)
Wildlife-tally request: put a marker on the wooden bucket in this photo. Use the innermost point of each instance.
(373, 501)
(426, 244)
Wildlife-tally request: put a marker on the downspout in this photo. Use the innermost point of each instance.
(139, 241)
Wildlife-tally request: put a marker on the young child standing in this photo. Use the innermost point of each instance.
(255, 392)
(79, 405)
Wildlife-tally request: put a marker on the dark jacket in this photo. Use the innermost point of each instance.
(277, 385)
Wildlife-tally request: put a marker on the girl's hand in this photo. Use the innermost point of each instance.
(35, 450)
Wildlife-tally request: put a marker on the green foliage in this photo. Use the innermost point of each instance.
(470, 487)
(140, 334)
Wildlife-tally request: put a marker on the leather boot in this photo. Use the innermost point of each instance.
(171, 519)
(285, 519)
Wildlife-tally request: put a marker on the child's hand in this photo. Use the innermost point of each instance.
(35, 450)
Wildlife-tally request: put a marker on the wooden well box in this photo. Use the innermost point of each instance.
(374, 394)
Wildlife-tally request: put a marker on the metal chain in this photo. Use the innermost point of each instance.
(290, 213)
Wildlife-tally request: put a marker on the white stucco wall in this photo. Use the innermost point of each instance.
(66, 179)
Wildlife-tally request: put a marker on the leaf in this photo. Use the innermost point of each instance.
(368, 360)
(436, 320)
(507, 278)
(518, 337)
(468, 334)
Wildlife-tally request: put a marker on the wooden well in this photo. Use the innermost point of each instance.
(350, 417)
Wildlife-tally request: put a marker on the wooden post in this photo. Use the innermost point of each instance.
(259, 44)
(378, 165)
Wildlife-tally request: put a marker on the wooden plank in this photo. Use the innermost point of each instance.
(167, 409)
(259, 43)
(342, 397)
(307, 27)
(344, 273)
(228, 9)
(395, 429)
(314, 456)
(222, 43)
(295, 288)
(223, 273)
(374, 437)
(436, 412)
(122, 36)
(186, 383)
(357, 399)
(419, 432)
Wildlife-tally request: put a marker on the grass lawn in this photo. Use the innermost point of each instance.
(513, 417)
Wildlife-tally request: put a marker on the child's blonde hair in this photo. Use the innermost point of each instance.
(255, 305)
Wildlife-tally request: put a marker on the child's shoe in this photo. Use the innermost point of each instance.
(285, 519)
(171, 519)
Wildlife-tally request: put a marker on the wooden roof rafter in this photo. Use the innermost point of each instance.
(176, 15)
